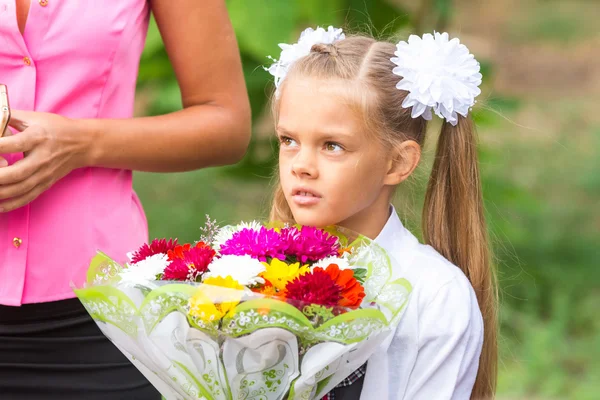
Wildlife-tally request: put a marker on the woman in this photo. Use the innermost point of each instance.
(65, 175)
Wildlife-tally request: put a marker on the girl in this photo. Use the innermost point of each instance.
(351, 120)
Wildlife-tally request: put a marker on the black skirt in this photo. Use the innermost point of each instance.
(55, 351)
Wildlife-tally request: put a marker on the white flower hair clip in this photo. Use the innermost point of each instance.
(290, 53)
(439, 74)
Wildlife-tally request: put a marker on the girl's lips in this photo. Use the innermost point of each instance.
(305, 197)
(303, 200)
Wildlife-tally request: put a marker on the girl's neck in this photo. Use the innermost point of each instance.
(370, 221)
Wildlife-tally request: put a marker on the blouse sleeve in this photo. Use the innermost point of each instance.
(450, 340)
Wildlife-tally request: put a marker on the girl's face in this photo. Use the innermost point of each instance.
(330, 170)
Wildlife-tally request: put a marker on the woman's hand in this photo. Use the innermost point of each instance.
(52, 147)
(213, 128)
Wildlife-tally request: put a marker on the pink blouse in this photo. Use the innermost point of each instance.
(78, 59)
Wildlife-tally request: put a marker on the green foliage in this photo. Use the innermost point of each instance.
(261, 24)
(560, 22)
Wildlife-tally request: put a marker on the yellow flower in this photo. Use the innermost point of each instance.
(215, 298)
(227, 282)
(201, 307)
(279, 273)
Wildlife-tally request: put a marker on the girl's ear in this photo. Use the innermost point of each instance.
(403, 160)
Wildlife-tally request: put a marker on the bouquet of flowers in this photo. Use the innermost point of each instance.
(253, 311)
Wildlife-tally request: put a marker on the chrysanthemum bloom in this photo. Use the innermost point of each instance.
(269, 290)
(351, 290)
(316, 287)
(145, 270)
(178, 251)
(215, 298)
(262, 244)
(158, 246)
(309, 244)
(190, 264)
(279, 273)
(244, 269)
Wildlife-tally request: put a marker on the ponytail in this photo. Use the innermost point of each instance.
(454, 224)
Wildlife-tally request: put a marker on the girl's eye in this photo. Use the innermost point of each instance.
(333, 147)
(286, 141)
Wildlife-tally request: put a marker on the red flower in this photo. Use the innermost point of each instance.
(158, 246)
(188, 263)
(314, 287)
(352, 291)
(179, 251)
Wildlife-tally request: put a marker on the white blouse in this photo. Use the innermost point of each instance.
(434, 353)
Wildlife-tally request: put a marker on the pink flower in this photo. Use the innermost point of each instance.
(257, 244)
(193, 263)
(309, 244)
(158, 246)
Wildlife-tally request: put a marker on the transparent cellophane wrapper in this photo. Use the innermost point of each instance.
(263, 348)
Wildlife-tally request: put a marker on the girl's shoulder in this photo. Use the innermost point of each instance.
(429, 273)
(443, 300)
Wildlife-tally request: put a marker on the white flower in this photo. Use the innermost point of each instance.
(243, 269)
(130, 255)
(222, 236)
(145, 270)
(439, 74)
(342, 263)
(227, 232)
(290, 53)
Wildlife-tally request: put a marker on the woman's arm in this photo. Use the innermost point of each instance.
(212, 129)
(214, 126)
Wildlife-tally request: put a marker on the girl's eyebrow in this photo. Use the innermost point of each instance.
(282, 131)
(323, 134)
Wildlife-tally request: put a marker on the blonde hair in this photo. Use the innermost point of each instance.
(453, 214)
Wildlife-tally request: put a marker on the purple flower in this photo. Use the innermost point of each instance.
(257, 244)
(310, 244)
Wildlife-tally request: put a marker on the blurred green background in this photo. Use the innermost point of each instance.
(540, 159)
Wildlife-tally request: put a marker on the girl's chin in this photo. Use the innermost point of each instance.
(311, 218)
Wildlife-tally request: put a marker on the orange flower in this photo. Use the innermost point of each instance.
(271, 291)
(343, 250)
(352, 291)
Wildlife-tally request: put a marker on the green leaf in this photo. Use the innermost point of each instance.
(360, 274)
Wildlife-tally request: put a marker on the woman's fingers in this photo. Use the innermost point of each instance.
(19, 171)
(21, 143)
(22, 200)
